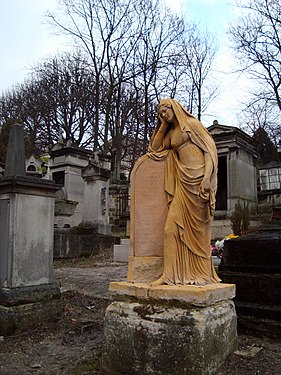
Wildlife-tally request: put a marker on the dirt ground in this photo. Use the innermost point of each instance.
(71, 344)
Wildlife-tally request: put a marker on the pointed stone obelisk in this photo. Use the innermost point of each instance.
(15, 159)
(27, 292)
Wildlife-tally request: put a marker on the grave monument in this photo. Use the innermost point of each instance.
(28, 294)
(96, 194)
(157, 325)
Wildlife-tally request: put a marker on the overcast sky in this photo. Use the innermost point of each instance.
(26, 40)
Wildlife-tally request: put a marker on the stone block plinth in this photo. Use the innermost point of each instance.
(168, 330)
(21, 308)
(121, 252)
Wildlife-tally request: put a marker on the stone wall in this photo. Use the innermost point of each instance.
(69, 243)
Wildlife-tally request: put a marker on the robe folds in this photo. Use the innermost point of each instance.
(187, 232)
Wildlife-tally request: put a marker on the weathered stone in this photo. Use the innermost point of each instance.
(21, 308)
(15, 160)
(28, 247)
(71, 243)
(144, 338)
(17, 318)
(96, 196)
(186, 294)
(148, 216)
(144, 269)
(121, 252)
(29, 294)
(65, 166)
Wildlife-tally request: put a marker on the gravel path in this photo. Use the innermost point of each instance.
(94, 281)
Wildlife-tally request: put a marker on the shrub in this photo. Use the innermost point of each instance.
(240, 219)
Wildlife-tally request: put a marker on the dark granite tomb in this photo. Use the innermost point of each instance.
(253, 263)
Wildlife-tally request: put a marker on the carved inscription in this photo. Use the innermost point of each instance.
(150, 208)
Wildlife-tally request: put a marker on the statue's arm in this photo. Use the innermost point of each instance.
(159, 136)
(205, 184)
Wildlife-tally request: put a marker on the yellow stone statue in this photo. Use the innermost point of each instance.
(190, 184)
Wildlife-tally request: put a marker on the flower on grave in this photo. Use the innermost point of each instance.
(216, 251)
(230, 236)
(217, 248)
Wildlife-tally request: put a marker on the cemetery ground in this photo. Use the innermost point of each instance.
(71, 343)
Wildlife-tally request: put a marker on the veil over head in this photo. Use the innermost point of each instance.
(199, 135)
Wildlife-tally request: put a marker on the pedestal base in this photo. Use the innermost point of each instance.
(23, 307)
(150, 331)
(145, 269)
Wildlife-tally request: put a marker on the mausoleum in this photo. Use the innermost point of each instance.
(237, 174)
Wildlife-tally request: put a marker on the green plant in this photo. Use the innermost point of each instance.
(240, 219)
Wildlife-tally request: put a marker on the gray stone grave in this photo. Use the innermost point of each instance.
(96, 194)
(27, 291)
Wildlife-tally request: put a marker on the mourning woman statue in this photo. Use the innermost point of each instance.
(190, 185)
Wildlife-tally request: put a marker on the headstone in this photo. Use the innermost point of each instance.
(65, 167)
(148, 215)
(96, 196)
(27, 292)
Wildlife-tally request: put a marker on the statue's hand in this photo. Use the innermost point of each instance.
(204, 187)
(164, 125)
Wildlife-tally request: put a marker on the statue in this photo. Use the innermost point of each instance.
(190, 185)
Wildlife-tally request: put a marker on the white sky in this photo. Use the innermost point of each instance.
(26, 39)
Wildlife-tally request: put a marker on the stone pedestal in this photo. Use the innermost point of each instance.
(26, 231)
(168, 330)
(27, 292)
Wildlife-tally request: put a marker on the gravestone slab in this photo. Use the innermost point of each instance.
(148, 216)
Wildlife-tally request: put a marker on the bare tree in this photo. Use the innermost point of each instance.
(257, 44)
(199, 50)
(103, 28)
(160, 32)
(58, 96)
(132, 46)
(260, 115)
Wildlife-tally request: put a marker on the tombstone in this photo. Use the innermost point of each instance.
(253, 263)
(66, 164)
(148, 215)
(164, 329)
(96, 194)
(27, 291)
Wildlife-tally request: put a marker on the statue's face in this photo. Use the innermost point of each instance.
(166, 112)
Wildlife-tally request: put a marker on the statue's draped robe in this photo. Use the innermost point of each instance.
(187, 233)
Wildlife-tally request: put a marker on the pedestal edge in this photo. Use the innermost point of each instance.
(29, 294)
(186, 294)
